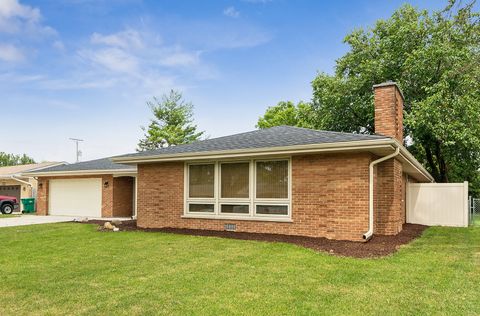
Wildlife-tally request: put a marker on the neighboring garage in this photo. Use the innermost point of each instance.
(12, 183)
(93, 189)
(11, 190)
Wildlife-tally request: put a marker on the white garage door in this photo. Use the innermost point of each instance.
(75, 197)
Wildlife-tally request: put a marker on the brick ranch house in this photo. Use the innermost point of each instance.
(282, 180)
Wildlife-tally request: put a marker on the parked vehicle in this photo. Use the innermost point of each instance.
(8, 204)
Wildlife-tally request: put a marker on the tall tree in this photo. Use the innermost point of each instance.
(13, 160)
(172, 123)
(287, 113)
(435, 58)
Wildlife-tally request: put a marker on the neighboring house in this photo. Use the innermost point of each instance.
(96, 188)
(12, 183)
(281, 180)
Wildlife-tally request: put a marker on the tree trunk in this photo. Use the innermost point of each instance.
(431, 163)
(442, 166)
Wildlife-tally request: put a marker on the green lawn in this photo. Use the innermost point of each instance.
(73, 269)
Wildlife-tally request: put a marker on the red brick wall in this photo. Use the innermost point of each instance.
(123, 196)
(389, 111)
(329, 198)
(107, 193)
(107, 196)
(42, 196)
(389, 198)
(404, 198)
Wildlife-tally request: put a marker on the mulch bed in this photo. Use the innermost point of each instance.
(377, 246)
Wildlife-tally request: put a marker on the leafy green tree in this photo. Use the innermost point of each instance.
(172, 125)
(435, 58)
(13, 160)
(287, 113)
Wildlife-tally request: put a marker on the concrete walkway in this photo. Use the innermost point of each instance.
(23, 220)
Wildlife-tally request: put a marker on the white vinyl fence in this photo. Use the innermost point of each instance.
(443, 204)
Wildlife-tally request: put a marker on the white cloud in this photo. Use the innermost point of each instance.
(20, 78)
(18, 18)
(11, 53)
(78, 83)
(114, 59)
(180, 58)
(137, 53)
(258, 1)
(58, 45)
(20, 24)
(128, 39)
(231, 12)
(11, 8)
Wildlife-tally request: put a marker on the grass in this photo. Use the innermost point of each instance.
(73, 269)
(8, 215)
(476, 220)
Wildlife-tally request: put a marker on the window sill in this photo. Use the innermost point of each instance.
(241, 218)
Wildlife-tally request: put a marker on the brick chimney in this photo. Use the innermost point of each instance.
(389, 110)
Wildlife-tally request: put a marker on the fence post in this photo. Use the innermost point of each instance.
(470, 210)
(465, 192)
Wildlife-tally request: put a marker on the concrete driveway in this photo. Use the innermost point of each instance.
(23, 220)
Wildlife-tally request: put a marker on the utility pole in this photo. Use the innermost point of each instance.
(78, 153)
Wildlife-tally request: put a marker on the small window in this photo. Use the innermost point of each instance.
(235, 209)
(272, 179)
(201, 208)
(201, 181)
(272, 209)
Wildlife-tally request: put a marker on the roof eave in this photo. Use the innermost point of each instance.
(132, 171)
(367, 145)
(337, 146)
(413, 161)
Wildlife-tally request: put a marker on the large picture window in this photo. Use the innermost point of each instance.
(253, 189)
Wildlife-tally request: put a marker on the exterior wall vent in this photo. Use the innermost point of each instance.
(230, 227)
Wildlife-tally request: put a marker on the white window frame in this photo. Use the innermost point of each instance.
(193, 200)
(262, 201)
(251, 201)
(234, 201)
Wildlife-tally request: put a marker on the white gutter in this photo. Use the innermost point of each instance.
(79, 172)
(13, 178)
(369, 233)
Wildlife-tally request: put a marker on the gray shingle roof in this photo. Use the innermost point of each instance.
(98, 164)
(278, 136)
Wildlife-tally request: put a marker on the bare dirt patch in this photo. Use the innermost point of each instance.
(378, 246)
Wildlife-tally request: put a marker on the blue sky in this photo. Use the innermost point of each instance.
(85, 68)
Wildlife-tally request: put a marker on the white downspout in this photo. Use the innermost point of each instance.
(369, 233)
(13, 178)
(21, 181)
(135, 198)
